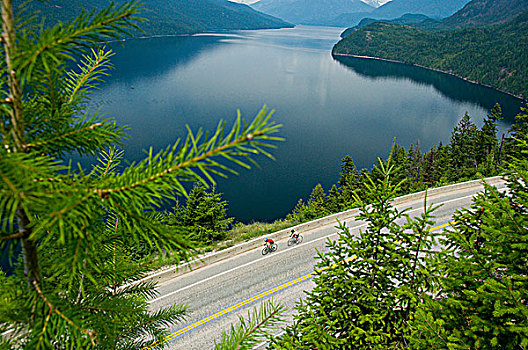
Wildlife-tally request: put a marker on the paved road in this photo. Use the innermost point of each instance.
(212, 291)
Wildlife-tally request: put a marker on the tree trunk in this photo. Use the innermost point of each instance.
(29, 246)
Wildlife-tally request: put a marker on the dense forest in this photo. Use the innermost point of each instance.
(471, 153)
(81, 236)
(401, 283)
(166, 17)
(496, 56)
(85, 234)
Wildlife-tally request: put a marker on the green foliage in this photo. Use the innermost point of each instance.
(169, 17)
(518, 133)
(367, 287)
(88, 278)
(471, 153)
(464, 145)
(349, 181)
(87, 234)
(248, 332)
(495, 56)
(483, 302)
(313, 209)
(205, 216)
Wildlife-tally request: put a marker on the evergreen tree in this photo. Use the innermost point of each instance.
(518, 132)
(367, 287)
(314, 208)
(463, 148)
(487, 143)
(297, 212)
(349, 181)
(483, 298)
(415, 162)
(333, 200)
(401, 166)
(206, 215)
(443, 164)
(68, 221)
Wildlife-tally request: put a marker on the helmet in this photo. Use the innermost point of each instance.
(292, 231)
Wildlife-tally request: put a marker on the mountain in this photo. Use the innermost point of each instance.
(479, 13)
(310, 11)
(407, 19)
(170, 16)
(496, 55)
(398, 8)
(430, 8)
(375, 3)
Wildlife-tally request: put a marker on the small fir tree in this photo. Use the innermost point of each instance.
(367, 288)
(483, 299)
(71, 224)
(205, 215)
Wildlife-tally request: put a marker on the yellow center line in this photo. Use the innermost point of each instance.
(255, 298)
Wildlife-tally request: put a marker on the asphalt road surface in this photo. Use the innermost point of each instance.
(216, 295)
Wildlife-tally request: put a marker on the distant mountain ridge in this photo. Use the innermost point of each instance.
(310, 11)
(407, 19)
(166, 17)
(480, 13)
(375, 3)
(493, 55)
(430, 8)
(347, 13)
(476, 13)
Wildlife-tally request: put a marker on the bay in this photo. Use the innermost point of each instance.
(329, 107)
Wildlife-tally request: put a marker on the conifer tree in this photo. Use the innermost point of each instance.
(463, 148)
(401, 166)
(518, 132)
(349, 181)
(487, 143)
(68, 220)
(333, 200)
(483, 297)
(205, 215)
(367, 288)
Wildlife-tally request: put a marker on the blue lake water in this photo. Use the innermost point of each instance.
(329, 108)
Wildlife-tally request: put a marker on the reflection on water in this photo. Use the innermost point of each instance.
(450, 86)
(328, 108)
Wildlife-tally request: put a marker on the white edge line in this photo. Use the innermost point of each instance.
(275, 254)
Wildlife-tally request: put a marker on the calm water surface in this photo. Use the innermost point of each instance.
(329, 108)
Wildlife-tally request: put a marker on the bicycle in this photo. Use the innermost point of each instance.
(294, 240)
(267, 250)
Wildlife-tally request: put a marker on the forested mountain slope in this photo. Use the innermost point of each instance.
(408, 19)
(399, 8)
(480, 13)
(167, 17)
(310, 11)
(495, 56)
(430, 8)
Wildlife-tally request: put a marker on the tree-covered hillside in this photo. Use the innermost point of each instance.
(408, 19)
(480, 13)
(431, 8)
(495, 56)
(166, 17)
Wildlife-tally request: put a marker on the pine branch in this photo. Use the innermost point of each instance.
(53, 309)
(91, 68)
(258, 324)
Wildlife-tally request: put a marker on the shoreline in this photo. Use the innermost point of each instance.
(524, 99)
(212, 32)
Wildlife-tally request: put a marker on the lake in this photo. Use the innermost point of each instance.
(329, 108)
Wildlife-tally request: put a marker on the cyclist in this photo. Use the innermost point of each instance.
(269, 242)
(294, 235)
